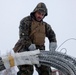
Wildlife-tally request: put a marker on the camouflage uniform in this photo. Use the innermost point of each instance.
(25, 41)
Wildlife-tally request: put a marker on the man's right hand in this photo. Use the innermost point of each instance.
(32, 47)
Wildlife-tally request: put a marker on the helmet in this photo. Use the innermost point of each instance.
(40, 7)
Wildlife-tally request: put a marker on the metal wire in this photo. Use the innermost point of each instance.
(58, 60)
(66, 64)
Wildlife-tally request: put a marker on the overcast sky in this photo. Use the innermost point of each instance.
(61, 17)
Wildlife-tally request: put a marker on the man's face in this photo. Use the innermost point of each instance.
(39, 15)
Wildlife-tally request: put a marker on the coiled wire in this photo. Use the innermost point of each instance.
(58, 60)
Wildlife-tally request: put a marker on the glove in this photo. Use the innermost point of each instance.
(52, 46)
(32, 47)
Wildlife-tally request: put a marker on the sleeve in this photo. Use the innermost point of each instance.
(24, 32)
(52, 38)
(50, 34)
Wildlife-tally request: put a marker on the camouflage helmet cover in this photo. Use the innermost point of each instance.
(42, 7)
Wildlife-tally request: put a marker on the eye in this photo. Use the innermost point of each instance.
(39, 13)
(42, 14)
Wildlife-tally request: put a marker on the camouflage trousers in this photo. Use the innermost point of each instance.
(28, 70)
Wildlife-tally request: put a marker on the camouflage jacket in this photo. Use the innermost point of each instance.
(25, 30)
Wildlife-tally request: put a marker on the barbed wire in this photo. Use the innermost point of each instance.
(64, 43)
